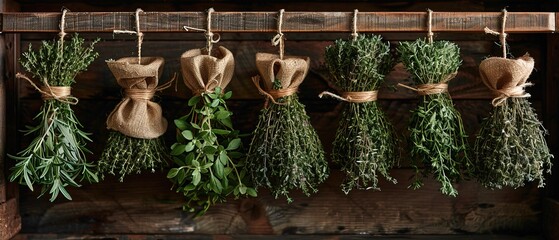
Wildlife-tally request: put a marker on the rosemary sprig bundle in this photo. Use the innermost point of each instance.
(285, 152)
(437, 137)
(208, 150)
(510, 148)
(365, 145)
(56, 159)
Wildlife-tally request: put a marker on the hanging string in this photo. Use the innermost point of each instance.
(210, 39)
(354, 33)
(279, 38)
(62, 27)
(430, 25)
(209, 34)
(502, 35)
(138, 32)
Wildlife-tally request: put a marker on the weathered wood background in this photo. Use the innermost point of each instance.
(144, 204)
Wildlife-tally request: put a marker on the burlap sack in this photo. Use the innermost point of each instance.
(203, 73)
(291, 71)
(136, 115)
(506, 77)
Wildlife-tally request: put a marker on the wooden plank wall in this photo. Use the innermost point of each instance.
(143, 204)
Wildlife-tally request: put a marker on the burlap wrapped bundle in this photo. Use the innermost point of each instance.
(285, 152)
(203, 73)
(136, 115)
(136, 143)
(510, 148)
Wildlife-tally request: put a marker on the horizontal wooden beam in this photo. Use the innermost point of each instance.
(518, 22)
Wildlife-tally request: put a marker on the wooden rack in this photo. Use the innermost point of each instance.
(518, 22)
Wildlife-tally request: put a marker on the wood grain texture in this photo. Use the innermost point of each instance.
(266, 21)
(273, 237)
(10, 221)
(143, 204)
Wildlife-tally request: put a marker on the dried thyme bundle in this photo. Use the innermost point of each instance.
(437, 137)
(365, 145)
(510, 147)
(135, 142)
(208, 149)
(285, 152)
(56, 158)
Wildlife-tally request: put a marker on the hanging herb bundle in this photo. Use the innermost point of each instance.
(285, 152)
(365, 145)
(437, 137)
(208, 150)
(55, 159)
(135, 142)
(510, 147)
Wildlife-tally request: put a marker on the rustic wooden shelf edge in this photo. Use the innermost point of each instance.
(518, 22)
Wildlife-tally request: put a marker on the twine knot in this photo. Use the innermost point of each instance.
(503, 94)
(62, 94)
(139, 94)
(353, 97)
(273, 94)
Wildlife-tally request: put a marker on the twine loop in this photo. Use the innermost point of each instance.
(503, 94)
(430, 25)
(138, 33)
(58, 93)
(502, 35)
(273, 94)
(354, 33)
(62, 27)
(148, 94)
(279, 38)
(353, 97)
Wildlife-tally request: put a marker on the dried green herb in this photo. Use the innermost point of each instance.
(510, 148)
(56, 159)
(137, 125)
(208, 152)
(285, 152)
(437, 137)
(365, 145)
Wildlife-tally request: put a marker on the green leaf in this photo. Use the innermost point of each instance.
(223, 158)
(209, 150)
(181, 124)
(220, 131)
(226, 122)
(172, 172)
(251, 192)
(242, 189)
(234, 144)
(187, 134)
(193, 101)
(227, 95)
(195, 163)
(189, 187)
(218, 167)
(177, 149)
(220, 115)
(196, 177)
(215, 102)
(189, 147)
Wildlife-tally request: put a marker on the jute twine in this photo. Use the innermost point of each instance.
(203, 73)
(354, 33)
(502, 35)
(211, 37)
(279, 38)
(138, 33)
(506, 78)
(430, 25)
(352, 97)
(432, 88)
(136, 115)
(58, 93)
(290, 72)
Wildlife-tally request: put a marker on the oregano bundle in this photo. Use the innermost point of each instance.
(365, 145)
(510, 148)
(437, 137)
(55, 159)
(208, 151)
(285, 152)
